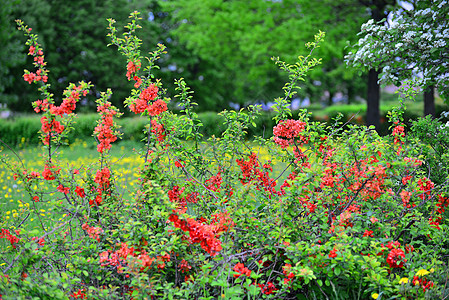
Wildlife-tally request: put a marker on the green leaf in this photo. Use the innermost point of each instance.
(337, 271)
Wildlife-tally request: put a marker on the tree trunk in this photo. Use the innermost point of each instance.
(350, 93)
(429, 101)
(329, 100)
(372, 111)
(373, 100)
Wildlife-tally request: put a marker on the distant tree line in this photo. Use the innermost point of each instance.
(221, 48)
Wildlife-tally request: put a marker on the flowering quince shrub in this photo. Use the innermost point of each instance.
(352, 214)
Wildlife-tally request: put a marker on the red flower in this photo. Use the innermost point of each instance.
(286, 131)
(242, 270)
(150, 93)
(63, 189)
(368, 233)
(267, 288)
(79, 294)
(80, 192)
(29, 77)
(49, 172)
(138, 81)
(132, 68)
(157, 108)
(396, 258)
(333, 253)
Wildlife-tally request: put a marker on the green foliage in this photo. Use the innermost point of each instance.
(10, 55)
(351, 215)
(434, 136)
(82, 25)
(239, 36)
(411, 42)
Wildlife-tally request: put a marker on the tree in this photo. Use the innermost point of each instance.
(378, 12)
(413, 46)
(10, 51)
(74, 37)
(240, 37)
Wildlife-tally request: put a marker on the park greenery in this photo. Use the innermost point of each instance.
(221, 48)
(312, 211)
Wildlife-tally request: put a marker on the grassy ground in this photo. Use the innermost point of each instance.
(16, 202)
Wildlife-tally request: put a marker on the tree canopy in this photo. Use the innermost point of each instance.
(240, 37)
(74, 38)
(412, 46)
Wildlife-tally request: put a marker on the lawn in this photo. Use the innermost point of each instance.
(15, 202)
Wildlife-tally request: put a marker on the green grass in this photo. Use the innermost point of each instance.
(16, 202)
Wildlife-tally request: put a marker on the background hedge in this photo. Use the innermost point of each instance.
(22, 131)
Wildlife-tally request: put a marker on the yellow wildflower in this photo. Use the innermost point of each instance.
(403, 280)
(422, 272)
(375, 295)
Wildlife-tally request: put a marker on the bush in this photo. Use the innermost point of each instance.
(355, 217)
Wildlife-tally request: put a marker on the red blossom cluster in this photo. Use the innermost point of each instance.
(396, 259)
(422, 282)
(158, 130)
(50, 172)
(51, 125)
(426, 186)
(158, 107)
(131, 68)
(35, 77)
(286, 269)
(241, 270)
(184, 266)
(63, 189)
(40, 241)
(41, 73)
(28, 177)
(80, 192)
(79, 294)
(174, 195)
(138, 81)
(145, 102)
(93, 232)
(102, 179)
(405, 197)
(105, 128)
(204, 234)
(268, 288)
(214, 183)
(333, 253)
(398, 133)
(119, 258)
(441, 205)
(396, 256)
(368, 233)
(5, 234)
(251, 172)
(71, 96)
(286, 132)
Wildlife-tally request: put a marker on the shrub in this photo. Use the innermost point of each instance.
(356, 216)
